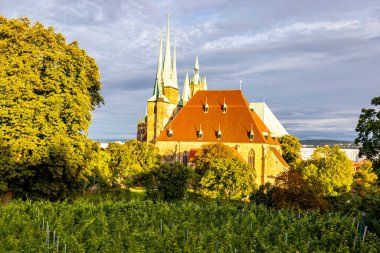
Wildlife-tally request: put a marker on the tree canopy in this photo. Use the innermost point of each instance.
(131, 160)
(368, 129)
(291, 149)
(221, 174)
(48, 89)
(329, 171)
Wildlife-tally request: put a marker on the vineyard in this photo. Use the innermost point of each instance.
(144, 226)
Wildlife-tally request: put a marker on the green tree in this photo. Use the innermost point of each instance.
(168, 182)
(221, 174)
(329, 171)
(48, 89)
(131, 160)
(293, 191)
(209, 153)
(364, 179)
(368, 129)
(291, 149)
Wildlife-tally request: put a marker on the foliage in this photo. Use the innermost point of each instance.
(47, 90)
(364, 179)
(168, 182)
(221, 174)
(209, 153)
(142, 226)
(293, 191)
(129, 161)
(291, 149)
(329, 171)
(227, 177)
(264, 195)
(368, 129)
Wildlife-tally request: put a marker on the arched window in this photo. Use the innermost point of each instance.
(251, 158)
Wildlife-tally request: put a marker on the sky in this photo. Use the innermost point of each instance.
(315, 63)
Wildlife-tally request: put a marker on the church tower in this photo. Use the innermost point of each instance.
(196, 82)
(163, 104)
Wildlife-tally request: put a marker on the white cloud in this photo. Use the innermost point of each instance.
(356, 28)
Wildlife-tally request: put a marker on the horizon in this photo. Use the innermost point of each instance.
(315, 65)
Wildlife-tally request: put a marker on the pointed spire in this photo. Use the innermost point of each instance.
(196, 78)
(196, 65)
(158, 89)
(167, 72)
(204, 82)
(186, 88)
(174, 70)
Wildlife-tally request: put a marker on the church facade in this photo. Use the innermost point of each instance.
(180, 125)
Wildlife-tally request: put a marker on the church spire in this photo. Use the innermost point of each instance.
(186, 89)
(167, 72)
(196, 78)
(204, 82)
(196, 65)
(158, 89)
(174, 71)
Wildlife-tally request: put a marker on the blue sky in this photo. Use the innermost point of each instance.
(315, 63)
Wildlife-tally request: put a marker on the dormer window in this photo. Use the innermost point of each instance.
(251, 134)
(252, 107)
(200, 132)
(206, 107)
(224, 106)
(170, 132)
(219, 134)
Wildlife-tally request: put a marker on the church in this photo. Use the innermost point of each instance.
(180, 125)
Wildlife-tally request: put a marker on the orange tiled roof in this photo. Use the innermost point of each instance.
(235, 124)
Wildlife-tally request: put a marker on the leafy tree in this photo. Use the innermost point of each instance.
(48, 89)
(168, 182)
(221, 174)
(228, 177)
(209, 153)
(292, 191)
(264, 195)
(131, 160)
(364, 179)
(368, 129)
(329, 171)
(291, 149)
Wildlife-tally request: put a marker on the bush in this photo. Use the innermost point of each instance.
(168, 182)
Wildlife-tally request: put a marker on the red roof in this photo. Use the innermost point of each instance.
(235, 124)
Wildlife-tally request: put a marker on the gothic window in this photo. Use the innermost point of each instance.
(251, 158)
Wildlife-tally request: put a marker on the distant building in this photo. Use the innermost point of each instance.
(180, 125)
(352, 153)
